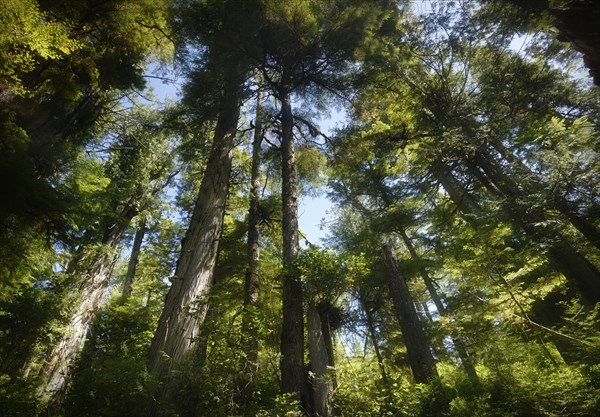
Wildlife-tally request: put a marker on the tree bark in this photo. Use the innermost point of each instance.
(426, 311)
(186, 303)
(329, 345)
(420, 358)
(93, 281)
(419, 354)
(133, 260)
(321, 378)
(249, 330)
(373, 335)
(581, 222)
(574, 266)
(457, 192)
(292, 333)
(465, 359)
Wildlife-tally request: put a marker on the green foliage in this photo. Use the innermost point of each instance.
(310, 163)
(62, 64)
(17, 398)
(443, 96)
(324, 273)
(111, 375)
(285, 406)
(522, 389)
(30, 35)
(362, 393)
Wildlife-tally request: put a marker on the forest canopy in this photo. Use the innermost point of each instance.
(151, 257)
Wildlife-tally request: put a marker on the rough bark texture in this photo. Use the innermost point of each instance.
(419, 354)
(133, 260)
(292, 334)
(465, 358)
(93, 271)
(321, 377)
(249, 361)
(457, 192)
(420, 358)
(186, 303)
(578, 23)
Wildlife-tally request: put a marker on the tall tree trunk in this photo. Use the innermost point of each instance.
(457, 192)
(321, 378)
(574, 266)
(426, 311)
(420, 358)
(465, 359)
(373, 334)
(292, 334)
(92, 271)
(133, 260)
(563, 347)
(249, 330)
(185, 307)
(324, 314)
(419, 353)
(582, 223)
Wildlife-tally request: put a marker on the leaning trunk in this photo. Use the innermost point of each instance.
(93, 281)
(457, 192)
(574, 266)
(419, 354)
(186, 303)
(133, 260)
(292, 334)
(420, 358)
(465, 359)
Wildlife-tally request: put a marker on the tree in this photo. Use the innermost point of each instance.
(133, 259)
(65, 66)
(325, 277)
(469, 148)
(249, 360)
(305, 43)
(185, 308)
(419, 353)
(136, 172)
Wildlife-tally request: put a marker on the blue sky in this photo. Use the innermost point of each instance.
(312, 210)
